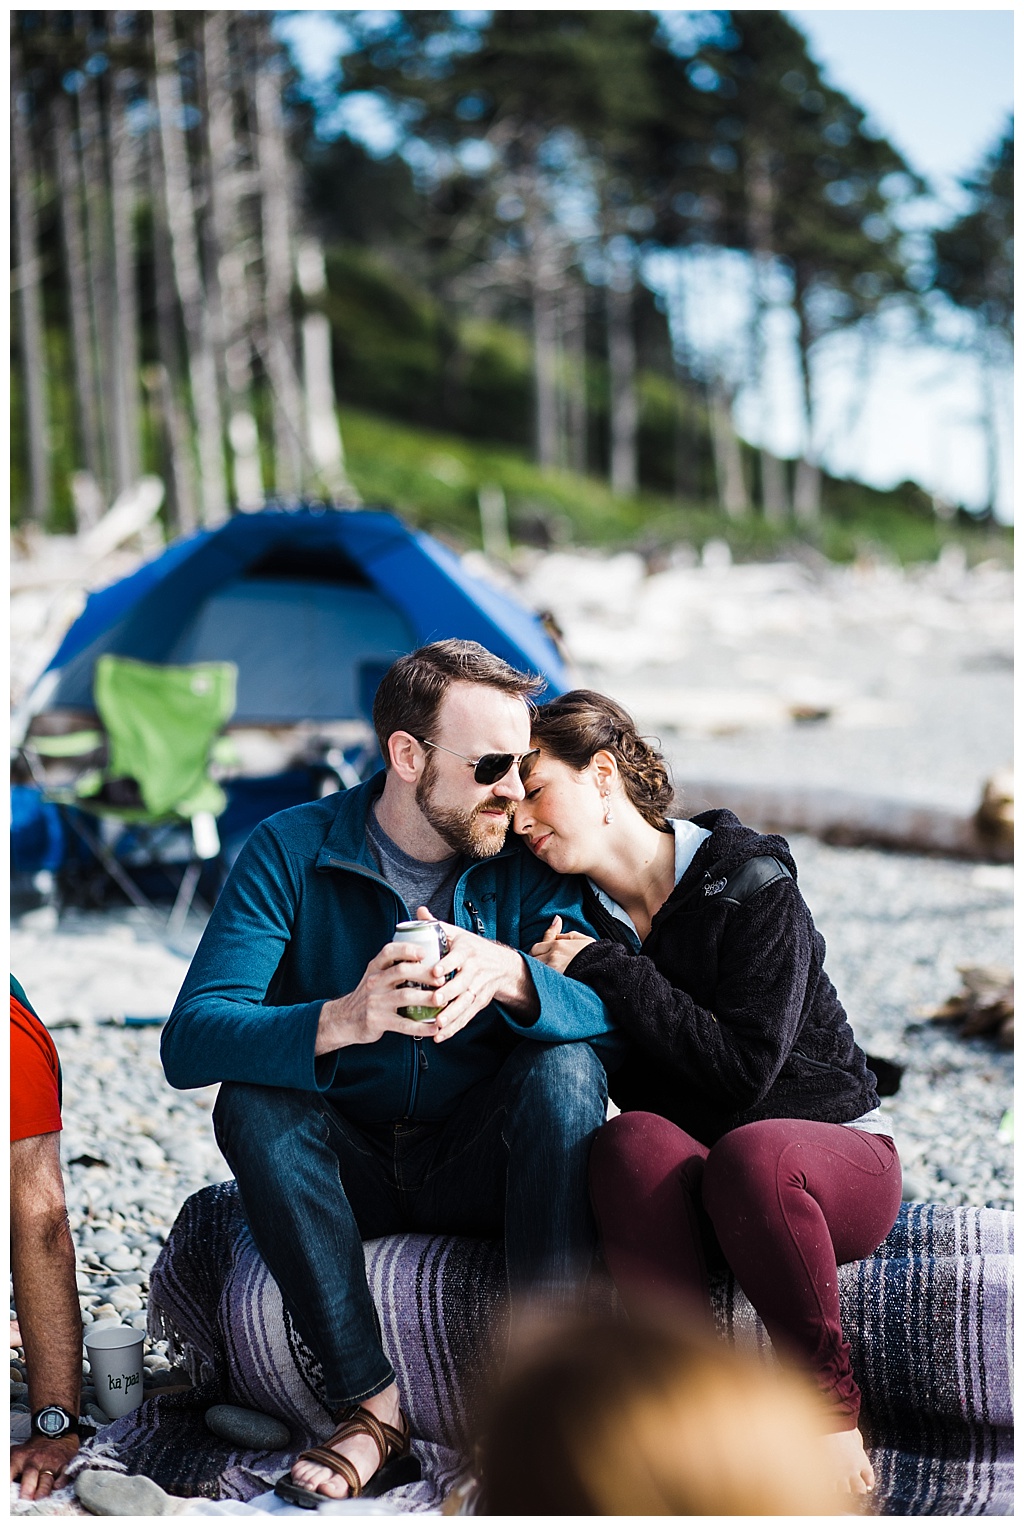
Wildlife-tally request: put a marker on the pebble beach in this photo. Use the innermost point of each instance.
(896, 925)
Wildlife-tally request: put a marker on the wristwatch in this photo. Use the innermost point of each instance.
(53, 1422)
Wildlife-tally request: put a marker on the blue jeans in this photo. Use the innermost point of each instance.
(510, 1161)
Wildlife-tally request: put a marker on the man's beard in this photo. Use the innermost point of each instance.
(464, 831)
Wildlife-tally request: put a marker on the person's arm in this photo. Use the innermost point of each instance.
(734, 1052)
(559, 1014)
(46, 1294)
(221, 1028)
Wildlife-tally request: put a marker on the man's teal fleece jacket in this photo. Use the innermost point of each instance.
(303, 912)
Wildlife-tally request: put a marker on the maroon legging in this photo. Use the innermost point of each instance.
(780, 1202)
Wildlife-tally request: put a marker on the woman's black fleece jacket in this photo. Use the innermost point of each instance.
(728, 1008)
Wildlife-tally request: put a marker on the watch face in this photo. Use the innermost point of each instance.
(53, 1421)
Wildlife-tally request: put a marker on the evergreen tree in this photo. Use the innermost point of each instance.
(974, 256)
(787, 171)
(973, 266)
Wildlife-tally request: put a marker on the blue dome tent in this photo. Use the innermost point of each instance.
(312, 605)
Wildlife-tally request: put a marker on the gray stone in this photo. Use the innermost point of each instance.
(125, 1300)
(19, 1390)
(247, 1428)
(105, 1240)
(105, 1493)
(121, 1260)
(167, 1377)
(915, 1189)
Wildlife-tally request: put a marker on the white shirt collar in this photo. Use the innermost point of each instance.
(689, 837)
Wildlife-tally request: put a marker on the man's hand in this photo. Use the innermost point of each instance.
(557, 949)
(371, 1009)
(481, 972)
(40, 1464)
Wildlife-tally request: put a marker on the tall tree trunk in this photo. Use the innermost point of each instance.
(325, 448)
(760, 196)
(169, 378)
(181, 220)
(96, 180)
(774, 491)
(275, 173)
(807, 492)
(545, 375)
(807, 487)
(732, 486)
(69, 182)
(623, 412)
(990, 420)
(543, 282)
(32, 334)
(232, 306)
(124, 171)
(575, 341)
(684, 425)
(561, 380)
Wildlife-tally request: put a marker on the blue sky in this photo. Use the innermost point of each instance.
(938, 83)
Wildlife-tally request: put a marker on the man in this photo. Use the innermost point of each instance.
(341, 1119)
(42, 1258)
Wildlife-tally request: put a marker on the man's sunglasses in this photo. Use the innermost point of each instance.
(492, 766)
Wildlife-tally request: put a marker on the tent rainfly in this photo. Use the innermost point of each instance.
(312, 605)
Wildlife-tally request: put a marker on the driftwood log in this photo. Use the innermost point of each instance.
(848, 819)
(985, 1005)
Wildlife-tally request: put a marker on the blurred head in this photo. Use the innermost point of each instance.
(592, 762)
(604, 1417)
(436, 713)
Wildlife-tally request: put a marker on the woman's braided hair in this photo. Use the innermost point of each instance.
(575, 726)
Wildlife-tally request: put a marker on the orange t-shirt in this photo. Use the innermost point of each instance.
(35, 1075)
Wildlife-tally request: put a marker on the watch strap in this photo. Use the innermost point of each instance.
(69, 1429)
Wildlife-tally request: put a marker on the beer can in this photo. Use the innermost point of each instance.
(431, 937)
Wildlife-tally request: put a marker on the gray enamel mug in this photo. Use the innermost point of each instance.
(115, 1357)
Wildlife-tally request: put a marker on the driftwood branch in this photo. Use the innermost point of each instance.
(847, 819)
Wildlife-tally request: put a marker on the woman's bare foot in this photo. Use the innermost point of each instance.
(848, 1462)
(361, 1451)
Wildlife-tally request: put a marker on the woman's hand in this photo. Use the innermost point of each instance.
(557, 949)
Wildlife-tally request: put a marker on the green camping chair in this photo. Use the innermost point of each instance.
(162, 725)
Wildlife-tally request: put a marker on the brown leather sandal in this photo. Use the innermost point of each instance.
(397, 1464)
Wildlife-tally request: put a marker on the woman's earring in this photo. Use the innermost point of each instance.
(607, 809)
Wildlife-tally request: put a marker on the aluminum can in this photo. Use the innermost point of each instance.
(431, 937)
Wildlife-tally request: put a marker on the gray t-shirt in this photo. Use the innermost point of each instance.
(418, 883)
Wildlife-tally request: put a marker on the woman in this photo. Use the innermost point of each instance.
(749, 1134)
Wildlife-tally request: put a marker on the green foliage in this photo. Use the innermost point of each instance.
(399, 351)
(974, 256)
(535, 70)
(62, 436)
(432, 479)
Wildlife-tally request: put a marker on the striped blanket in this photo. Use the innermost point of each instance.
(928, 1318)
